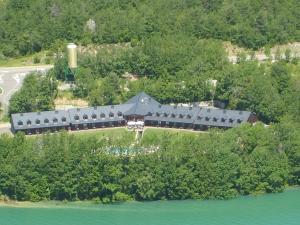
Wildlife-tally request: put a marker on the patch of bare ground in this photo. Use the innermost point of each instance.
(263, 54)
(94, 49)
(65, 103)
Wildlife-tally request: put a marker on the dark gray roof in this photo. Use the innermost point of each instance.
(199, 116)
(141, 104)
(221, 117)
(22, 121)
(142, 98)
(98, 113)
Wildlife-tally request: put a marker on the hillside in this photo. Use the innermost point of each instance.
(27, 26)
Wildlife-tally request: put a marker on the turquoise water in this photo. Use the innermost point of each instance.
(273, 209)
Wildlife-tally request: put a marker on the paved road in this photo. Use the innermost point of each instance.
(11, 79)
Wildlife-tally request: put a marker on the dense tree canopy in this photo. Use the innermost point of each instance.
(37, 94)
(219, 165)
(173, 50)
(29, 25)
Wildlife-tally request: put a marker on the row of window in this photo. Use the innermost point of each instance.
(172, 115)
(223, 120)
(101, 116)
(46, 121)
(64, 119)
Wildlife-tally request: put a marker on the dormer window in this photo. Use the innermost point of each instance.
(207, 118)
(46, 121)
(85, 117)
(111, 115)
(173, 115)
(199, 118)
(215, 119)
(20, 123)
(230, 120)
(208, 110)
(63, 119)
(239, 120)
(157, 114)
(149, 114)
(120, 114)
(29, 122)
(37, 122)
(165, 114)
(189, 116)
(181, 116)
(76, 117)
(55, 120)
(94, 116)
(102, 116)
(223, 120)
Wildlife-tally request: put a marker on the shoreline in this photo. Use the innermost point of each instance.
(89, 203)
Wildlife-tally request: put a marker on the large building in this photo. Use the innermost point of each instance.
(140, 108)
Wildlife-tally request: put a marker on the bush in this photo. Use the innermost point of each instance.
(121, 197)
(36, 60)
(47, 60)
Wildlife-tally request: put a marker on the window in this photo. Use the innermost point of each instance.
(215, 119)
(188, 116)
(239, 120)
(28, 122)
(149, 114)
(64, 119)
(38, 122)
(157, 114)
(102, 116)
(223, 120)
(85, 117)
(46, 121)
(55, 120)
(111, 115)
(181, 116)
(165, 115)
(207, 118)
(76, 117)
(94, 116)
(199, 118)
(120, 114)
(231, 120)
(20, 123)
(173, 115)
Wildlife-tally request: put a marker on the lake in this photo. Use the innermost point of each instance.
(271, 209)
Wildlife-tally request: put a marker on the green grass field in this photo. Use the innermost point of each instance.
(157, 135)
(26, 60)
(120, 136)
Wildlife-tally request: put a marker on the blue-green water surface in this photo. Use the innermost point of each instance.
(272, 209)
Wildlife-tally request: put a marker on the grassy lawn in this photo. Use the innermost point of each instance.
(117, 136)
(154, 135)
(26, 60)
(120, 136)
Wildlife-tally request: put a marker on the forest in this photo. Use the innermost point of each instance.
(28, 26)
(173, 49)
(219, 165)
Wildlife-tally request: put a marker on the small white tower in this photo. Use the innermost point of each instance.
(72, 55)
